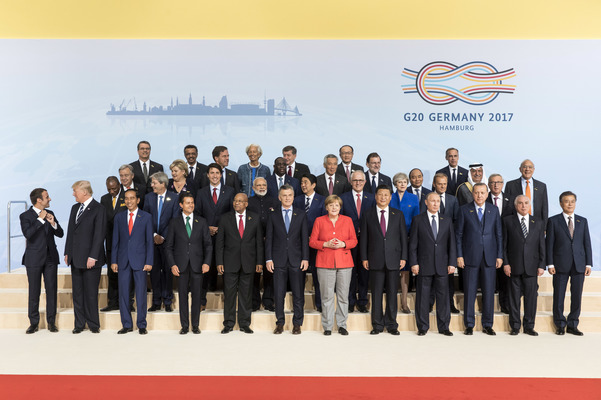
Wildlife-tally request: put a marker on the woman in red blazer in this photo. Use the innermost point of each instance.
(333, 236)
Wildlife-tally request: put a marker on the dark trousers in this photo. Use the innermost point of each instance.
(34, 277)
(240, 284)
(126, 275)
(313, 270)
(85, 296)
(296, 277)
(359, 282)
(267, 300)
(423, 287)
(209, 280)
(485, 276)
(503, 289)
(384, 281)
(451, 290)
(560, 283)
(189, 281)
(113, 286)
(529, 285)
(161, 278)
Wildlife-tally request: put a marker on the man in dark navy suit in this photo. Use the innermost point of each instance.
(197, 172)
(534, 189)
(126, 177)
(132, 256)
(479, 239)
(287, 257)
(330, 182)
(143, 168)
(432, 256)
(294, 169)
(373, 176)
(354, 204)
(569, 257)
(347, 166)
(383, 251)
(416, 177)
(456, 174)
(228, 177)
(39, 226)
(280, 178)
(162, 205)
(84, 253)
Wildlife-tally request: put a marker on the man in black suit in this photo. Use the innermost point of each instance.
(197, 172)
(329, 182)
(346, 166)
(373, 176)
(238, 253)
(524, 261)
(228, 177)
(569, 257)
(280, 178)
(126, 177)
(534, 189)
(39, 226)
(143, 167)
(287, 255)
(433, 256)
(188, 249)
(84, 253)
(416, 177)
(262, 205)
(294, 169)
(456, 174)
(383, 247)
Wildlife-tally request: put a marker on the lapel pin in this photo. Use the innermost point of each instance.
(195, 220)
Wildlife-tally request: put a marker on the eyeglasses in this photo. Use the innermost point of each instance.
(358, 180)
(497, 183)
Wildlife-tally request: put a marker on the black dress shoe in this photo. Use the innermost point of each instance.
(446, 333)
(468, 331)
(256, 309)
(431, 307)
(183, 331)
(95, 330)
(202, 308)
(421, 333)
(132, 309)
(351, 309)
(246, 329)
(77, 330)
(374, 332)
(515, 332)
(195, 330)
(109, 308)
(489, 331)
(270, 308)
(226, 329)
(560, 331)
(530, 332)
(327, 333)
(31, 329)
(394, 332)
(318, 309)
(52, 328)
(343, 331)
(454, 310)
(362, 309)
(142, 331)
(278, 329)
(168, 308)
(124, 330)
(574, 331)
(504, 310)
(296, 330)
(405, 310)
(154, 307)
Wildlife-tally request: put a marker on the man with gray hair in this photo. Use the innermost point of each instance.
(330, 182)
(534, 189)
(126, 177)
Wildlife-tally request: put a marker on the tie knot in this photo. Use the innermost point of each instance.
(286, 210)
(480, 209)
(131, 214)
(358, 195)
(382, 212)
(187, 218)
(161, 197)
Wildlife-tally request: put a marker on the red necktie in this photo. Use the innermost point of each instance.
(289, 170)
(496, 198)
(348, 174)
(131, 222)
(383, 223)
(215, 195)
(331, 187)
(358, 205)
(241, 227)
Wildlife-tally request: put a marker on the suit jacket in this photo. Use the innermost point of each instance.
(141, 189)
(383, 252)
(432, 255)
(342, 171)
(524, 255)
(283, 247)
(476, 240)
(300, 169)
(341, 185)
(317, 208)
(563, 251)
(181, 250)
(462, 176)
(107, 202)
(136, 249)
(40, 247)
(231, 180)
(323, 231)
(539, 197)
(85, 239)
(206, 208)
(272, 185)
(508, 208)
(349, 207)
(451, 207)
(262, 206)
(236, 253)
(169, 210)
(423, 193)
(382, 180)
(139, 175)
(200, 176)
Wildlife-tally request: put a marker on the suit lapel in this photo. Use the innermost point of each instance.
(564, 225)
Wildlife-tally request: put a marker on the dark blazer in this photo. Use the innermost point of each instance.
(476, 240)
(107, 202)
(432, 255)
(383, 252)
(563, 251)
(236, 253)
(40, 247)
(349, 207)
(524, 255)
(139, 175)
(141, 189)
(136, 249)
(169, 210)
(341, 185)
(262, 206)
(182, 250)
(272, 185)
(451, 207)
(200, 176)
(539, 197)
(86, 238)
(287, 247)
(342, 171)
(317, 208)
(300, 169)
(231, 180)
(508, 207)
(382, 180)
(462, 176)
(211, 212)
(422, 196)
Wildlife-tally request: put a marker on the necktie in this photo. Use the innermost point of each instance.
(188, 227)
(223, 178)
(281, 182)
(307, 205)
(529, 195)
(434, 227)
(480, 214)
(131, 222)
(441, 205)
(358, 205)
(497, 204)
(373, 184)
(331, 187)
(523, 224)
(287, 220)
(496, 198)
(241, 226)
(79, 213)
(289, 170)
(348, 174)
(114, 201)
(571, 227)
(145, 170)
(160, 208)
(454, 177)
(383, 223)
(191, 173)
(417, 194)
(215, 195)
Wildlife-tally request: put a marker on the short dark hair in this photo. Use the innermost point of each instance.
(310, 177)
(132, 190)
(143, 142)
(36, 194)
(567, 193)
(346, 145)
(416, 169)
(191, 146)
(372, 155)
(289, 148)
(384, 187)
(217, 151)
(214, 165)
(286, 186)
(183, 195)
(112, 178)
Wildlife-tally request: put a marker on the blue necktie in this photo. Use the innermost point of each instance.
(480, 214)
(287, 220)
(79, 213)
(160, 208)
